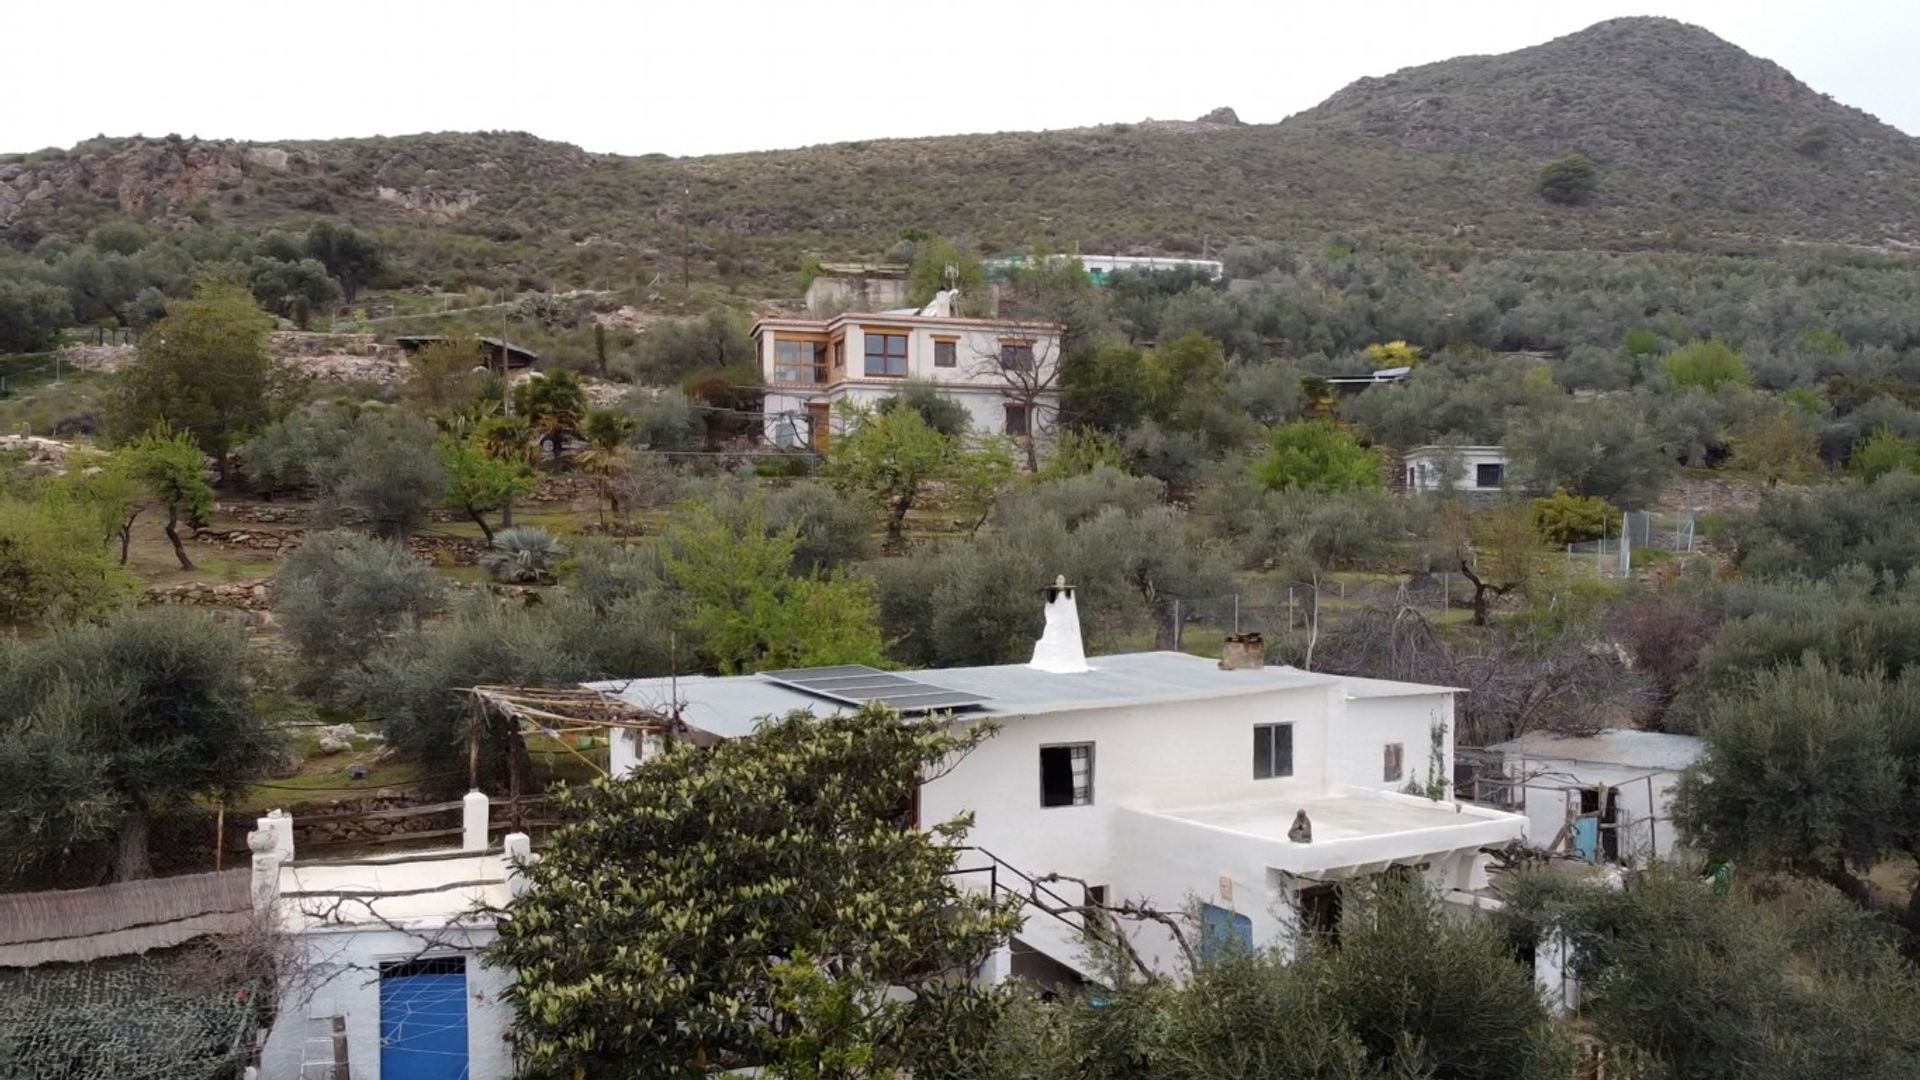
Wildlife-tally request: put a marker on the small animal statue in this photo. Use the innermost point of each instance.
(1302, 831)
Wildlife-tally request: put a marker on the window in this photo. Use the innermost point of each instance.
(946, 354)
(839, 355)
(1017, 420)
(1394, 765)
(803, 362)
(1488, 474)
(887, 355)
(1066, 775)
(1320, 910)
(1224, 933)
(1272, 751)
(1016, 356)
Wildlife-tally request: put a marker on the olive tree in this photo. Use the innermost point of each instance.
(707, 912)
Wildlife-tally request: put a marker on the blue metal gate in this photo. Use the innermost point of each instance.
(423, 1019)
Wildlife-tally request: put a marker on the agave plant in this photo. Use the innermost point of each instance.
(522, 555)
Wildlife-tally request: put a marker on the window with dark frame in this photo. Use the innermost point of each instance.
(946, 354)
(1016, 356)
(1394, 763)
(1489, 474)
(1017, 420)
(1272, 751)
(887, 355)
(803, 362)
(1066, 775)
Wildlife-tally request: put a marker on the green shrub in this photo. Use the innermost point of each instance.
(1563, 519)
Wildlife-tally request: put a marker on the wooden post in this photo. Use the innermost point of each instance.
(219, 836)
(473, 744)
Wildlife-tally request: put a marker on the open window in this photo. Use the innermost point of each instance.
(1066, 775)
(1320, 909)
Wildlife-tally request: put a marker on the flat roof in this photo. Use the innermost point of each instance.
(1617, 746)
(417, 888)
(730, 706)
(1431, 448)
(781, 322)
(1353, 829)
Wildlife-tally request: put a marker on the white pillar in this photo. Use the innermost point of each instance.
(519, 850)
(473, 821)
(272, 846)
(623, 751)
(278, 824)
(997, 968)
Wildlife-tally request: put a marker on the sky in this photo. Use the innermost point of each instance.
(709, 76)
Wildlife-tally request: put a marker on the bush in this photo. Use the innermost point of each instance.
(340, 596)
(942, 413)
(1563, 519)
(1316, 456)
(1569, 180)
(667, 420)
(522, 555)
(1708, 365)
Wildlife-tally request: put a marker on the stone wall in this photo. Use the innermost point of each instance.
(262, 539)
(253, 595)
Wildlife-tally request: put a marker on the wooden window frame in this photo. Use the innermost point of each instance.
(1393, 763)
(905, 356)
(1031, 363)
(815, 365)
(1026, 420)
(950, 347)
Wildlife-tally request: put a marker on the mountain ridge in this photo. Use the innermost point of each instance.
(1697, 143)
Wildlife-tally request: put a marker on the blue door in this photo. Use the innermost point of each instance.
(1223, 933)
(423, 1019)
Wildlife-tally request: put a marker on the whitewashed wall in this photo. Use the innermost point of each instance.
(343, 979)
(1358, 745)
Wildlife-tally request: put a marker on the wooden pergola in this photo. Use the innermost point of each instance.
(506, 715)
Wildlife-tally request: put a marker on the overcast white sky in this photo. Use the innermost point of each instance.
(701, 76)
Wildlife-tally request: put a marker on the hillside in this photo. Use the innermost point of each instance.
(1699, 145)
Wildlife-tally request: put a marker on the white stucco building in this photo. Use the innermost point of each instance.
(1455, 468)
(388, 982)
(1005, 373)
(1606, 797)
(1158, 776)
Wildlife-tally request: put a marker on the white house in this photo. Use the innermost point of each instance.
(1158, 776)
(1605, 797)
(1455, 468)
(1101, 267)
(388, 983)
(1006, 373)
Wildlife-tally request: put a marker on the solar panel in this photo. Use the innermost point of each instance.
(858, 684)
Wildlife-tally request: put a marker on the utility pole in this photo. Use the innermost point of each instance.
(506, 371)
(686, 200)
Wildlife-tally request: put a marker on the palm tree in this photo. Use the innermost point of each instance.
(605, 457)
(554, 402)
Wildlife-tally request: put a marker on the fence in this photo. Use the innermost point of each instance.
(1612, 555)
(78, 925)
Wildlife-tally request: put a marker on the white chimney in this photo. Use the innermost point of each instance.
(1059, 649)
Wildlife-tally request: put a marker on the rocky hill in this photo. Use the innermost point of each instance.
(1698, 144)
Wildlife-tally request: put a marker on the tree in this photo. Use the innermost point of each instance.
(929, 271)
(1185, 378)
(1570, 180)
(1605, 449)
(1679, 979)
(1822, 532)
(479, 483)
(1028, 375)
(445, 376)
(889, 457)
(53, 568)
(292, 290)
(1505, 557)
(204, 370)
(1563, 519)
(385, 476)
(942, 413)
(1406, 992)
(151, 708)
(668, 420)
(1105, 388)
(1777, 445)
(1883, 452)
(555, 404)
(173, 471)
(746, 607)
(351, 256)
(676, 348)
(1707, 365)
(340, 597)
(1312, 455)
(605, 457)
(979, 471)
(1815, 772)
(32, 314)
(776, 877)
